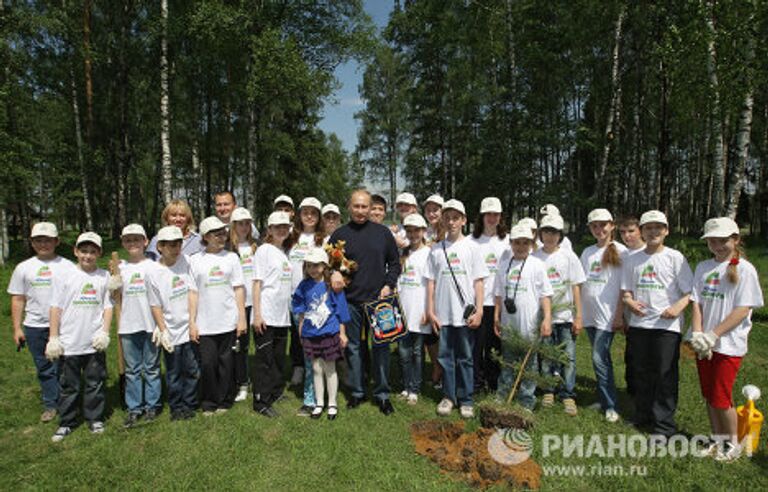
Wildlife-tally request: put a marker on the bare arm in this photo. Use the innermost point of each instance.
(54, 316)
(577, 320)
(477, 318)
(675, 309)
(258, 321)
(497, 316)
(17, 314)
(242, 324)
(194, 334)
(546, 322)
(157, 315)
(107, 320)
(732, 320)
(433, 319)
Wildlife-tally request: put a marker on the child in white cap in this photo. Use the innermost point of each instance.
(433, 207)
(80, 315)
(30, 288)
(523, 304)
(455, 274)
(656, 286)
(143, 387)
(552, 211)
(726, 289)
(169, 286)
(405, 205)
(331, 219)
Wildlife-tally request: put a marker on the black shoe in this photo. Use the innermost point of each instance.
(269, 412)
(189, 413)
(332, 412)
(150, 415)
(131, 420)
(385, 407)
(178, 415)
(354, 402)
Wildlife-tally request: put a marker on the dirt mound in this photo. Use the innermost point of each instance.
(502, 417)
(466, 453)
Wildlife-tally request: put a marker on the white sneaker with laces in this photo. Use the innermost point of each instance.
(97, 427)
(467, 411)
(298, 376)
(444, 407)
(242, 393)
(413, 399)
(709, 449)
(61, 433)
(611, 415)
(728, 453)
(403, 395)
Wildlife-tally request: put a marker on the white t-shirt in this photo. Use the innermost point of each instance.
(564, 244)
(299, 250)
(532, 284)
(412, 288)
(215, 278)
(135, 315)
(718, 297)
(601, 290)
(564, 271)
(491, 249)
(33, 279)
(658, 281)
(245, 251)
(467, 265)
(168, 288)
(82, 297)
(275, 271)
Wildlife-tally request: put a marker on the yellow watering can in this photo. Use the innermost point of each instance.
(750, 420)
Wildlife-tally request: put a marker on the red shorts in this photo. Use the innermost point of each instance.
(716, 377)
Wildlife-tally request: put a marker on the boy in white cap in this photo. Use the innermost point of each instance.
(169, 286)
(551, 210)
(284, 203)
(378, 209)
(405, 205)
(656, 286)
(81, 313)
(143, 387)
(523, 303)
(455, 274)
(433, 207)
(30, 288)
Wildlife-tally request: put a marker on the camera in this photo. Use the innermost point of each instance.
(469, 310)
(509, 305)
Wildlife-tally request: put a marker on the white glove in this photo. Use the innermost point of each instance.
(100, 341)
(54, 350)
(702, 344)
(162, 338)
(115, 283)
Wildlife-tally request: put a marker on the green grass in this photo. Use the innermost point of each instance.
(360, 450)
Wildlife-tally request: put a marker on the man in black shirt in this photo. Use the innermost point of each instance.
(372, 246)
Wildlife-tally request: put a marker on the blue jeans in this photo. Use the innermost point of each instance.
(47, 371)
(526, 390)
(562, 335)
(455, 356)
(410, 349)
(141, 358)
(182, 374)
(601, 341)
(358, 327)
(309, 381)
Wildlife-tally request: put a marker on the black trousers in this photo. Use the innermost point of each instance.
(93, 369)
(655, 357)
(296, 351)
(486, 369)
(216, 369)
(628, 374)
(241, 358)
(269, 364)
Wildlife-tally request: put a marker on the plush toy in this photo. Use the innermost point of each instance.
(339, 262)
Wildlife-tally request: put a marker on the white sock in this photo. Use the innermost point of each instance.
(317, 376)
(333, 381)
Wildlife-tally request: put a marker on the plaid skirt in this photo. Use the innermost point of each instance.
(326, 347)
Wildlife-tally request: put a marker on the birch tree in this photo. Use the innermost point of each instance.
(165, 117)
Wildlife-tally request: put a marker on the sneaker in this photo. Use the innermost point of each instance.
(548, 400)
(403, 395)
(444, 407)
(208, 413)
(304, 411)
(61, 433)
(595, 406)
(728, 453)
(48, 415)
(269, 412)
(467, 411)
(570, 406)
(242, 393)
(412, 399)
(96, 427)
(611, 416)
(178, 415)
(131, 420)
(220, 411)
(438, 385)
(188, 414)
(150, 415)
(711, 448)
(298, 376)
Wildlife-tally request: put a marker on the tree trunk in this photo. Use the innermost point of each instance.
(763, 181)
(253, 159)
(197, 189)
(88, 70)
(664, 181)
(718, 156)
(165, 123)
(4, 251)
(80, 156)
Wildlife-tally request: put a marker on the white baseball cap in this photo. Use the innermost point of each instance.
(330, 208)
(549, 209)
(490, 204)
(653, 216)
(599, 215)
(521, 232)
(240, 213)
(316, 255)
(415, 220)
(311, 201)
(528, 222)
(436, 199)
(278, 218)
(136, 229)
(209, 224)
(170, 233)
(283, 199)
(406, 198)
(454, 204)
(720, 227)
(552, 221)
(88, 237)
(46, 229)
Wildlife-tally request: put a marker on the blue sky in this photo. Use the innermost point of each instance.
(339, 112)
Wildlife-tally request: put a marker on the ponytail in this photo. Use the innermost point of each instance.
(732, 270)
(611, 255)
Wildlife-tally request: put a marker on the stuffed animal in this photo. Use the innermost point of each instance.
(339, 262)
